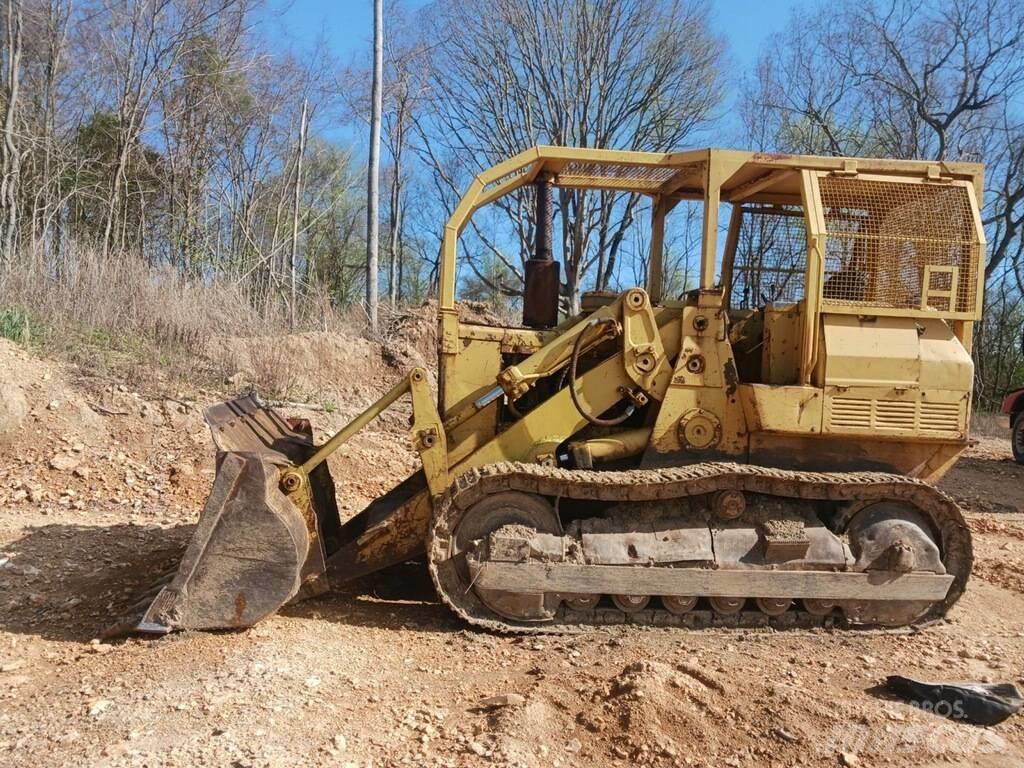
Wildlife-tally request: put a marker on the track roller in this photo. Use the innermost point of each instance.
(583, 602)
(773, 606)
(631, 603)
(678, 605)
(726, 606)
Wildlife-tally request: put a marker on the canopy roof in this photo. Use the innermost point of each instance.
(713, 175)
(745, 176)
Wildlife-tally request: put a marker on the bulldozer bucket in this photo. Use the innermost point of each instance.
(254, 549)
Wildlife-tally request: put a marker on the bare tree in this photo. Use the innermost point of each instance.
(293, 257)
(10, 154)
(407, 61)
(405, 89)
(622, 74)
(48, 161)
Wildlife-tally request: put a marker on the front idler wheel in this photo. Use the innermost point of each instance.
(524, 513)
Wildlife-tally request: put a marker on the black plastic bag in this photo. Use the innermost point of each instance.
(979, 703)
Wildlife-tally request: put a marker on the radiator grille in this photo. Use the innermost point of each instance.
(849, 413)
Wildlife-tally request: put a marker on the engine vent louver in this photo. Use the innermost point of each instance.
(895, 416)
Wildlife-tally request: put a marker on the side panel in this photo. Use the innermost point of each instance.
(782, 409)
(895, 377)
(834, 453)
(780, 352)
(467, 377)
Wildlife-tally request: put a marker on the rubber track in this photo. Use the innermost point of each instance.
(855, 488)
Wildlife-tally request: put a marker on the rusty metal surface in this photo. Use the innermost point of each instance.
(540, 294)
(245, 425)
(254, 548)
(391, 529)
(244, 560)
(617, 542)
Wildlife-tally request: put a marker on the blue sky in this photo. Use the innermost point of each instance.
(346, 27)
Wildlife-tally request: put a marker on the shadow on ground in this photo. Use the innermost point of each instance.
(69, 582)
(72, 582)
(401, 596)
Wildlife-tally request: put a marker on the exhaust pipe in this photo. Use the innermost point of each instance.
(542, 274)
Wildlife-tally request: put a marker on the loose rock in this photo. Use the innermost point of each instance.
(502, 700)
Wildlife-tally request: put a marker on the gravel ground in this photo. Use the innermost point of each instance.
(100, 488)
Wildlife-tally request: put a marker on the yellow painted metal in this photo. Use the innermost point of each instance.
(702, 399)
(645, 359)
(764, 181)
(517, 379)
(831, 379)
(829, 385)
(975, 192)
(896, 413)
(928, 290)
(732, 239)
(894, 352)
(427, 433)
(469, 376)
(621, 445)
(901, 229)
(781, 344)
(343, 435)
(816, 245)
(770, 408)
(471, 356)
(711, 175)
(511, 340)
(655, 269)
(926, 460)
(697, 174)
(556, 419)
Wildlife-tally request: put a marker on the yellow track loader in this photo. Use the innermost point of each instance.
(757, 450)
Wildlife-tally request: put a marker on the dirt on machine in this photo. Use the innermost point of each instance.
(758, 450)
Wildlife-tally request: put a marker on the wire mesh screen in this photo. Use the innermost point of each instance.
(899, 245)
(771, 257)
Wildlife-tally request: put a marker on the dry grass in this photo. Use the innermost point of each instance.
(272, 370)
(116, 315)
(989, 424)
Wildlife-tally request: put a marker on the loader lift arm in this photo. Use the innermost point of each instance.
(426, 433)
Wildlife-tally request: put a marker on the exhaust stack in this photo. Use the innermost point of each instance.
(540, 291)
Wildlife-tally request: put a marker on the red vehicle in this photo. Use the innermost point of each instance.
(1013, 404)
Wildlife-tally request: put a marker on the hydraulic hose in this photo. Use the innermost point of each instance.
(577, 347)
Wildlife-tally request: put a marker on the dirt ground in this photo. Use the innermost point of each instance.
(100, 487)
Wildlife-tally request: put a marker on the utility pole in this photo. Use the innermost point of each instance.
(373, 171)
(295, 210)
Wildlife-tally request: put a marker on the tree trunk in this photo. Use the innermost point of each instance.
(373, 171)
(11, 156)
(295, 213)
(395, 229)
